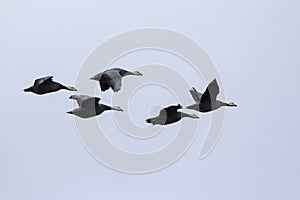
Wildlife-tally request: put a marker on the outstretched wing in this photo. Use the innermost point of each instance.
(80, 98)
(163, 115)
(162, 112)
(211, 93)
(91, 102)
(104, 83)
(111, 79)
(173, 108)
(42, 80)
(116, 84)
(195, 94)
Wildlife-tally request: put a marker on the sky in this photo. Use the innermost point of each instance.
(254, 46)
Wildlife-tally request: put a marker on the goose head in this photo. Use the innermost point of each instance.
(136, 73)
(220, 104)
(117, 108)
(231, 104)
(71, 88)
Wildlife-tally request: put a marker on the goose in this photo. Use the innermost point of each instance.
(46, 85)
(89, 106)
(170, 115)
(207, 101)
(112, 78)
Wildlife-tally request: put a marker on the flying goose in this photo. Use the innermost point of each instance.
(170, 115)
(89, 106)
(112, 78)
(46, 85)
(208, 100)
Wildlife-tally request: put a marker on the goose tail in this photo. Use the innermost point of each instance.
(70, 112)
(152, 121)
(149, 120)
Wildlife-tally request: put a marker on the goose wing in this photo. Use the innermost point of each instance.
(111, 78)
(163, 112)
(163, 115)
(104, 83)
(171, 110)
(43, 80)
(195, 94)
(211, 93)
(80, 98)
(90, 102)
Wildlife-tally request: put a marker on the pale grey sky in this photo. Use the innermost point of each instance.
(255, 46)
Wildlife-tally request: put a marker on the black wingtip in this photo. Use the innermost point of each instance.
(97, 99)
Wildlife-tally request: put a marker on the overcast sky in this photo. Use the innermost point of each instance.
(255, 46)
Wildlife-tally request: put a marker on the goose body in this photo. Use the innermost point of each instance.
(112, 78)
(207, 101)
(170, 115)
(89, 106)
(46, 85)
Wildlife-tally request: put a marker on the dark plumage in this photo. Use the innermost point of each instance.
(47, 85)
(89, 106)
(170, 115)
(112, 78)
(208, 100)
